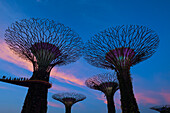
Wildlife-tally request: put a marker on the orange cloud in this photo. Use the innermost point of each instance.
(8, 55)
(55, 105)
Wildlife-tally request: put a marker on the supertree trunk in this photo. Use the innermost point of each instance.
(36, 99)
(110, 104)
(128, 101)
(68, 109)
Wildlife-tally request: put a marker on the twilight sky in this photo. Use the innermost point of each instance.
(151, 78)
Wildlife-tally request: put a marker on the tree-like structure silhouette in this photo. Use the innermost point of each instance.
(106, 83)
(68, 99)
(119, 48)
(45, 44)
(162, 109)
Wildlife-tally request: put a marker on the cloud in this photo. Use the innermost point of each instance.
(144, 98)
(102, 97)
(116, 100)
(68, 78)
(166, 96)
(153, 97)
(57, 88)
(55, 105)
(3, 87)
(8, 55)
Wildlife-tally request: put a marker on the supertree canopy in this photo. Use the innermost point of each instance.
(127, 45)
(108, 84)
(162, 109)
(68, 99)
(45, 53)
(119, 48)
(45, 44)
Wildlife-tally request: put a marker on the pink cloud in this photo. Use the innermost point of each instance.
(67, 77)
(145, 98)
(57, 88)
(116, 100)
(153, 97)
(3, 87)
(8, 55)
(102, 97)
(55, 105)
(166, 96)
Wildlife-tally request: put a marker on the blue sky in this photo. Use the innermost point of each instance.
(88, 17)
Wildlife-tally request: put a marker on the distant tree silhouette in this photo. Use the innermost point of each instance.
(45, 44)
(162, 109)
(106, 83)
(68, 99)
(119, 48)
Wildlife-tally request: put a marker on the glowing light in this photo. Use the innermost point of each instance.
(45, 53)
(120, 56)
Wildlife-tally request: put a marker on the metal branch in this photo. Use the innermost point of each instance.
(22, 36)
(106, 82)
(69, 97)
(142, 40)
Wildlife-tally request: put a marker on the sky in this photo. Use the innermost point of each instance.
(151, 78)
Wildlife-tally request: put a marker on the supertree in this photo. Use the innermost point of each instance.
(162, 109)
(68, 99)
(106, 83)
(45, 44)
(120, 48)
